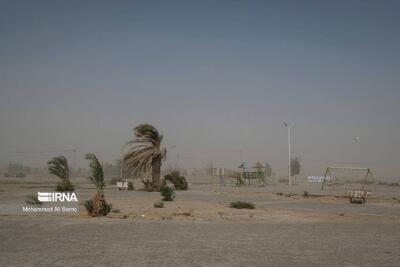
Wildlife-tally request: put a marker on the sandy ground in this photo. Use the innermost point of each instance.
(200, 229)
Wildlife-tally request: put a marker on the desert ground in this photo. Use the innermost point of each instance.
(200, 229)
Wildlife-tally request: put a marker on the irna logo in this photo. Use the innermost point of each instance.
(57, 197)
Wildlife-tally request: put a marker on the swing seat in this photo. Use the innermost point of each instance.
(122, 186)
(358, 196)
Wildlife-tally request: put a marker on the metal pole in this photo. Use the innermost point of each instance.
(290, 159)
(289, 126)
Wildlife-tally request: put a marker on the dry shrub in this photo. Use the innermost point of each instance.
(158, 204)
(242, 205)
(33, 200)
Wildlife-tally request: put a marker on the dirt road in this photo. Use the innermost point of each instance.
(36, 241)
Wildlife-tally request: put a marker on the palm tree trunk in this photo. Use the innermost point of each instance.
(156, 171)
(98, 204)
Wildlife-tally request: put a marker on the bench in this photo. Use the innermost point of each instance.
(122, 186)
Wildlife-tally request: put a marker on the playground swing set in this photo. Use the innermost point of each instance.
(343, 178)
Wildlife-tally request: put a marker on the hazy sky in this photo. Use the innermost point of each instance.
(214, 76)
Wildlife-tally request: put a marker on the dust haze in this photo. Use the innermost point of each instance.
(218, 84)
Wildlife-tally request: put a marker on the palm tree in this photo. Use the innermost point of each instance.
(59, 167)
(145, 154)
(99, 205)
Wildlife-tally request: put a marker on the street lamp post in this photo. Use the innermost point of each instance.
(289, 127)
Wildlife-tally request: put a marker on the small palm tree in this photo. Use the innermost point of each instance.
(59, 167)
(98, 206)
(145, 154)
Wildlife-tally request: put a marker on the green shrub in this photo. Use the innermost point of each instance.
(6, 174)
(159, 204)
(242, 205)
(179, 181)
(167, 193)
(106, 207)
(89, 206)
(33, 200)
(306, 194)
(65, 187)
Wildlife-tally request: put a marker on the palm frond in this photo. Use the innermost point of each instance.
(144, 149)
(59, 167)
(139, 160)
(146, 130)
(97, 174)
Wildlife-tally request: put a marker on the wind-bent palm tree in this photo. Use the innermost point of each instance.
(145, 154)
(59, 167)
(100, 206)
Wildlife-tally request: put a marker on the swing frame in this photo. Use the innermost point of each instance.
(328, 173)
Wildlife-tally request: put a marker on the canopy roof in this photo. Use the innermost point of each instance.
(245, 165)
